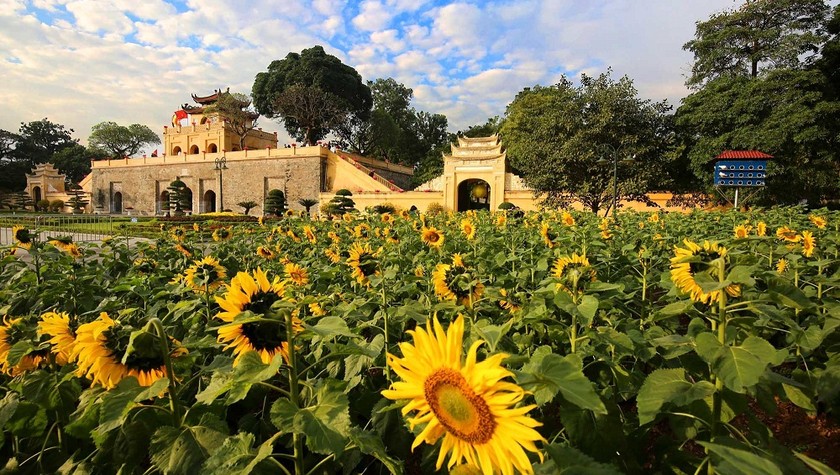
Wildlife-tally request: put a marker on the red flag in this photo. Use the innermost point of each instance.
(179, 116)
(154, 154)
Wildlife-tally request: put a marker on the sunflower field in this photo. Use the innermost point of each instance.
(471, 343)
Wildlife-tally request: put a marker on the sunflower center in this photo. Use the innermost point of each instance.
(367, 264)
(433, 237)
(23, 236)
(264, 335)
(456, 280)
(706, 257)
(458, 408)
(261, 302)
(145, 355)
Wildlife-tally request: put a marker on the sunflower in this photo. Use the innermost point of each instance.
(568, 219)
(548, 237)
(742, 231)
(22, 237)
(387, 218)
(809, 243)
(309, 232)
(296, 274)
(178, 233)
(391, 236)
(572, 272)
(786, 234)
(468, 228)
(254, 293)
(509, 302)
(195, 227)
(454, 282)
(653, 218)
(261, 220)
(348, 217)
(205, 274)
(186, 251)
(818, 221)
(761, 229)
(265, 252)
(12, 331)
(66, 244)
(101, 347)
(222, 234)
(781, 266)
(501, 219)
(419, 271)
(292, 235)
(333, 255)
(694, 260)
(145, 265)
(333, 237)
(465, 402)
(432, 237)
(363, 261)
(61, 330)
(362, 231)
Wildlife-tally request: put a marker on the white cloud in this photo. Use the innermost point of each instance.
(373, 15)
(465, 59)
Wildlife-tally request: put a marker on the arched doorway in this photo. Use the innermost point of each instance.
(36, 194)
(118, 204)
(163, 202)
(473, 194)
(189, 199)
(194, 150)
(212, 148)
(209, 201)
(176, 151)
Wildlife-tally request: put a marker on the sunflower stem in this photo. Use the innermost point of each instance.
(385, 329)
(170, 373)
(721, 335)
(294, 391)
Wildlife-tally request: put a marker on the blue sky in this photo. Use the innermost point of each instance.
(80, 62)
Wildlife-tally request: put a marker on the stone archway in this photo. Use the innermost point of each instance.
(117, 205)
(194, 150)
(36, 194)
(189, 194)
(209, 202)
(163, 202)
(473, 193)
(212, 148)
(176, 151)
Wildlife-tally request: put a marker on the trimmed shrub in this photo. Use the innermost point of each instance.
(275, 203)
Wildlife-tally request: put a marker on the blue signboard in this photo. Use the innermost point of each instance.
(740, 172)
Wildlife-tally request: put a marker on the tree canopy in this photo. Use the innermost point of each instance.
(555, 136)
(120, 141)
(236, 109)
(36, 142)
(758, 35)
(320, 79)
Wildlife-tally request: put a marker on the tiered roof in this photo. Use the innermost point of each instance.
(476, 148)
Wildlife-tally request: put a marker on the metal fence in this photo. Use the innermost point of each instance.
(79, 227)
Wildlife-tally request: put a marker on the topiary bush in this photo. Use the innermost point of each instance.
(275, 203)
(342, 201)
(506, 205)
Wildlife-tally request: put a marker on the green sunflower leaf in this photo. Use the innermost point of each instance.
(236, 456)
(550, 374)
(325, 424)
(668, 386)
(569, 460)
(183, 450)
(117, 403)
(732, 461)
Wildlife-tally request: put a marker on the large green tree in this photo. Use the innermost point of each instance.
(783, 113)
(556, 135)
(300, 88)
(36, 142)
(759, 34)
(74, 161)
(120, 141)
